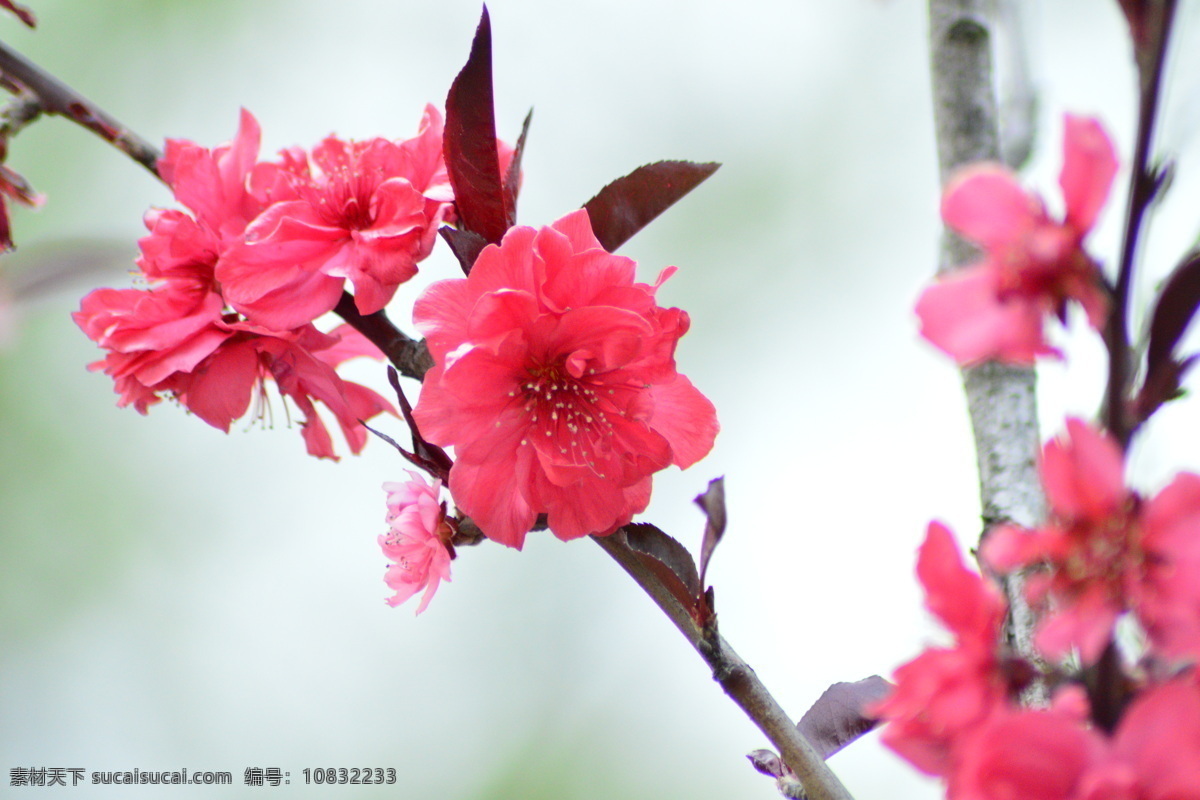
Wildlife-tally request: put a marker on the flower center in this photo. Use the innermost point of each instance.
(569, 414)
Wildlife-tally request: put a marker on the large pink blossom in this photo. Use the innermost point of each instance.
(947, 692)
(179, 339)
(1033, 265)
(1108, 552)
(225, 187)
(555, 382)
(366, 212)
(418, 540)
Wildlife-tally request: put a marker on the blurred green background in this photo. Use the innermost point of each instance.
(173, 597)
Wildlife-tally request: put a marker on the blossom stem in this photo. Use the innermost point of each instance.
(409, 356)
(1002, 399)
(1145, 181)
(736, 677)
(54, 97)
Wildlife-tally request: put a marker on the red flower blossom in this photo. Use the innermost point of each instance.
(1053, 754)
(417, 540)
(1042, 754)
(945, 693)
(1108, 552)
(1032, 265)
(179, 339)
(555, 382)
(225, 187)
(363, 211)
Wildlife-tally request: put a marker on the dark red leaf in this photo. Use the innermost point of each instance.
(21, 11)
(431, 457)
(466, 246)
(713, 504)
(1176, 306)
(838, 717)
(628, 204)
(512, 178)
(470, 142)
(667, 559)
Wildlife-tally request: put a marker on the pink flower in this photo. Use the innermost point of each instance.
(1042, 754)
(1108, 552)
(1032, 265)
(1053, 754)
(225, 187)
(179, 339)
(363, 211)
(418, 540)
(945, 693)
(555, 382)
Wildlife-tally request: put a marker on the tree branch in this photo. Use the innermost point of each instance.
(54, 97)
(736, 677)
(1001, 399)
(410, 357)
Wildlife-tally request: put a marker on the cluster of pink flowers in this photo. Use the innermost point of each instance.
(555, 382)
(555, 379)
(1105, 554)
(1032, 265)
(267, 248)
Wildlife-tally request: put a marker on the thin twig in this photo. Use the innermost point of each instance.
(737, 679)
(1144, 185)
(1001, 399)
(54, 97)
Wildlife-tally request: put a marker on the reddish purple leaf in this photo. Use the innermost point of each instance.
(628, 204)
(466, 246)
(428, 456)
(469, 143)
(23, 13)
(512, 178)
(839, 717)
(667, 559)
(713, 504)
(1176, 306)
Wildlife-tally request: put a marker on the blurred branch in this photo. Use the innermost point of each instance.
(44, 93)
(1018, 95)
(1151, 35)
(736, 677)
(1001, 399)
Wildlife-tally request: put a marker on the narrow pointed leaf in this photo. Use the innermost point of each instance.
(469, 142)
(712, 502)
(512, 178)
(667, 559)
(22, 12)
(628, 204)
(839, 716)
(438, 462)
(466, 246)
(1176, 306)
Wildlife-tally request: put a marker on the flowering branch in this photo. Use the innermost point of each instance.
(736, 677)
(1001, 398)
(54, 97)
(1151, 23)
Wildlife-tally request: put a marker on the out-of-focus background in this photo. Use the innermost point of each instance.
(174, 597)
